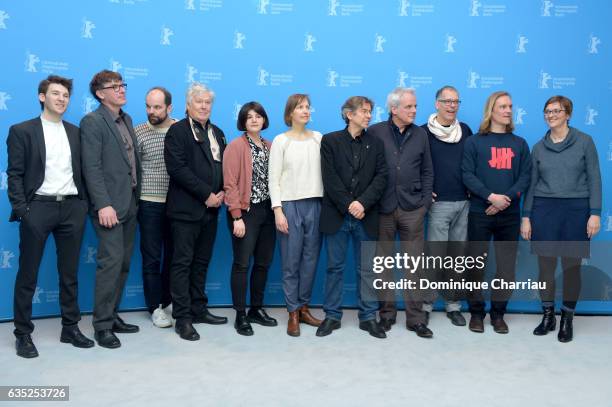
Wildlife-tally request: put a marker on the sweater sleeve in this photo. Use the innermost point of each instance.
(427, 174)
(275, 169)
(522, 182)
(535, 175)
(593, 177)
(468, 170)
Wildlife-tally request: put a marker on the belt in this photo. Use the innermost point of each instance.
(53, 198)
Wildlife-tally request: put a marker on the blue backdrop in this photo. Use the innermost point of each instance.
(265, 50)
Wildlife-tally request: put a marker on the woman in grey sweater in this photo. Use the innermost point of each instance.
(562, 210)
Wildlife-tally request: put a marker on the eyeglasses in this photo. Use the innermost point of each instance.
(449, 102)
(553, 112)
(116, 88)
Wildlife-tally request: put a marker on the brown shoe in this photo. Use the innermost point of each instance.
(476, 324)
(307, 318)
(499, 325)
(293, 326)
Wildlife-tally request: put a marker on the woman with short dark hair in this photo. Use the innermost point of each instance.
(249, 215)
(562, 210)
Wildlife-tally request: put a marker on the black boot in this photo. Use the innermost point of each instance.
(548, 324)
(566, 330)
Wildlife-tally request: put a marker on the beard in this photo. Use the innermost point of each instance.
(155, 120)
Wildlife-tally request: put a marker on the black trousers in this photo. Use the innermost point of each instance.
(504, 228)
(572, 282)
(192, 251)
(156, 250)
(115, 247)
(258, 242)
(66, 221)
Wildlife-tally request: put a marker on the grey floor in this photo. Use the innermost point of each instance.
(349, 368)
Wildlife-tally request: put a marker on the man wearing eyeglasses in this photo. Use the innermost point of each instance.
(111, 168)
(448, 215)
(193, 152)
(406, 199)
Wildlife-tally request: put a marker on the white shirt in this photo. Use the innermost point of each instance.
(58, 161)
(295, 169)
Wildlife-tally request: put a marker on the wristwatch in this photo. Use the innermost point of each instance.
(237, 218)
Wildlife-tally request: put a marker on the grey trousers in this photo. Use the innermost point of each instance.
(410, 227)
(447, 222)
(115, 248)
(300, 250)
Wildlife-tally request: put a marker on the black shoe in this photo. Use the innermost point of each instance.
(25, 347)
(476, 323)
(386, 324)
(421, 330)
(72, 334)
(548, 324)
(187, 331)
(242, 324)
(121, 327)
(259, 316)
(456, 318)
(499, 325)
(107, 339)
(207, 318)
(373, 328)
(327, 326)
(566, 328)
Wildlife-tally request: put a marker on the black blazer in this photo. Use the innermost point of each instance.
(337, 171)
(411, 174)
(192, 172)
(26, 163)
(106, 168)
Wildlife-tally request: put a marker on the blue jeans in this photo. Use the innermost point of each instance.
(337, 246)
(155, 247)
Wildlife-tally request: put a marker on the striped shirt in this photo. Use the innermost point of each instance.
(155, 178)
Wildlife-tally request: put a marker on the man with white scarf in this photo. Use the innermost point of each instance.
(448, 215)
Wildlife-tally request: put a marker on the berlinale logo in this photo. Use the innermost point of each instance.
(331, 78)
(239, 40)
(5, 260)
(520, 45)
(3, 17)
(31, 61)
(450, 43)
(308, 42)
(593, 43)
(166, 33)
(379, 40)
(4, 97)
(88, 26)
(403, 8)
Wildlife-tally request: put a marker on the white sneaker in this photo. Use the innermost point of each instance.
(160, 318)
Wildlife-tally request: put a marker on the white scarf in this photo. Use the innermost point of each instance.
(450, 134)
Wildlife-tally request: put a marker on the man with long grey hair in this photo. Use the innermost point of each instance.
(193, 152)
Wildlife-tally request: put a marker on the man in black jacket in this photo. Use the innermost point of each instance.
(354, 178)
(193, 152)
(46, 192)
(407, 198)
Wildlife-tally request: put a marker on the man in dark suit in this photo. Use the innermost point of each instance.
(193, 152)
(47, 196)
(405, 202)
(111, 168)
(354, 179)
